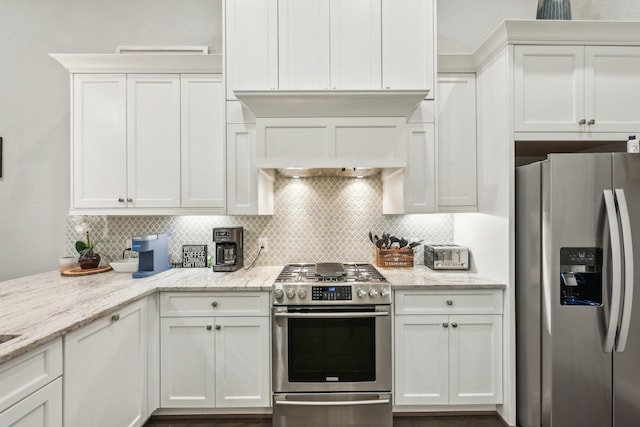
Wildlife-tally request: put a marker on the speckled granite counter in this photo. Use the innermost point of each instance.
(44, 306)
(423, 277)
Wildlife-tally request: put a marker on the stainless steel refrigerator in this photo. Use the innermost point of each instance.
(578, 317)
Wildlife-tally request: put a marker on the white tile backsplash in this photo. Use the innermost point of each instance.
(318, 219)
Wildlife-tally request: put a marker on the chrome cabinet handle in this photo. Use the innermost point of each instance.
(115, 317)
(218, 327)
(445, 324)
(454, 324)
(591, 122)
(121, 200)
(209, 327)
(129, 199)
(582, 121)
(214, 304)
(449, 302)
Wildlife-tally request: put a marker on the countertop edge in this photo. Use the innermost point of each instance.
(404, 279)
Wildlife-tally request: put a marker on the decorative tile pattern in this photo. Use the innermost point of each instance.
(320, 219)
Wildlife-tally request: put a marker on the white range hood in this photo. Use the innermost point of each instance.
(331, 103)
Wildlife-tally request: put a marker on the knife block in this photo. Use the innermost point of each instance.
(394, 257)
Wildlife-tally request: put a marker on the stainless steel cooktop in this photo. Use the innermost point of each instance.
(331, 283)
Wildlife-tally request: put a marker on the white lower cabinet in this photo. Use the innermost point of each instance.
(445, 354)
(216, 355)
(105, 370)
(40, 409)
(31, 388)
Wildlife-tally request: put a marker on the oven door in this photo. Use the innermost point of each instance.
(331, 348)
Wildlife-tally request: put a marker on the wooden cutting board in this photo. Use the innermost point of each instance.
(77, 271)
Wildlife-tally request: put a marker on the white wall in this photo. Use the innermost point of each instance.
(34, 103)
(463, 24)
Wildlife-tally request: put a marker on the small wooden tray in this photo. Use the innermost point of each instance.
(77, 271)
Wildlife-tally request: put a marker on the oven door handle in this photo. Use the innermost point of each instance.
(333, 402)
(333, 315)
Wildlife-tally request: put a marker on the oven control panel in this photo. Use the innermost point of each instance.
(331, 293)
(307, 294)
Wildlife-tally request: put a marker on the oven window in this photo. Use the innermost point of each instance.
(332, 350)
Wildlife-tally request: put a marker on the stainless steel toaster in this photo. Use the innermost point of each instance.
(446, 257)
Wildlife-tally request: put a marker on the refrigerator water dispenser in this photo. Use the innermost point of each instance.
(581, 276)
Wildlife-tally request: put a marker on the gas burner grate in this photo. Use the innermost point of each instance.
(330, 272)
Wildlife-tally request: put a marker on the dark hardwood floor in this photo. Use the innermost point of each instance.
(398, 421)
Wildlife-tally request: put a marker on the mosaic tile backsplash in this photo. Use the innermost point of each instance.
(321, 219)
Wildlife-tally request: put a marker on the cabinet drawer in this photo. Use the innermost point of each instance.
(479, 301)
(24, 375)
(214, 304)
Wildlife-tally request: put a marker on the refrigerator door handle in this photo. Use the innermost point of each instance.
(625, 222)
(616, 271)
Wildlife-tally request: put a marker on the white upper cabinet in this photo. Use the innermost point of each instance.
(612, 88)
(203, 153)
(126, 141)
(549, 88)
(153, 140)
(303, 35)
(408, 44)
(356, 54)
(251, 45)
(576, 89)
(331, 44)
(147, 134)
(99, 143)
(456, 143)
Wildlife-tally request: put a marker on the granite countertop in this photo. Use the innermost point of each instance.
(42, 307)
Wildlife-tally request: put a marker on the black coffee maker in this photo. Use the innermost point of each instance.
(229, 248)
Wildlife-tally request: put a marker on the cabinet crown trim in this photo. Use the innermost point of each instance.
(139, 63)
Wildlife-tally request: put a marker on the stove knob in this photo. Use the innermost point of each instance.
(373, 293)
(384, 293)
(362, 293)
(291, 292)
(302, 294)
(278, 293)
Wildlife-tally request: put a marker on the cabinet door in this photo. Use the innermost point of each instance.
(202, 145)
(408, 44)
(251, 51)
(549, 89)
(242, 362)
(420, 172)
(187, 362)
(475, 349)
(303, 35)
(153, 141)
(456, 130)
(40, 409)
(612, 88)
(421, 360)
(99, 147)
(249, 190)
(356, 51)
(105, 381)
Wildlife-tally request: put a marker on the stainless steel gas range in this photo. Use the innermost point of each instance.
(331, 346)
